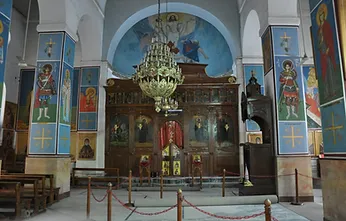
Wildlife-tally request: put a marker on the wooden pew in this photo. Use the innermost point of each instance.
(10, 197)
(51, 190)
(34, 195)
(108, 171)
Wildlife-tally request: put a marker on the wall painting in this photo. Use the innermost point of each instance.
(285, 41)
(255, 138)
(224, 131)
(75, 96)
(119, 131)
(199, 134)
(24, 99)
(87, 146)
(88, 98)
(334, 127)
(10, 115)
(69, 50)
(66, 95)
(267, 51)
(326, 52)
(293, 137)
(143, 131)
(191, 38)
(50, 46)
(45, 92)
(312, 98)
(42, 138)
(289, 90)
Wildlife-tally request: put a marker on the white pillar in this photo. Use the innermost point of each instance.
(242, 132)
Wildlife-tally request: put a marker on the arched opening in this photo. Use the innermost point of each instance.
(251, 42)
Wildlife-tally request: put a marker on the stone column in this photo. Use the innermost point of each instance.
(328, 23)
(284, 72)
(5, 20)
(49, 144)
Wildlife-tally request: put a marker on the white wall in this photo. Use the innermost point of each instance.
(15, 48)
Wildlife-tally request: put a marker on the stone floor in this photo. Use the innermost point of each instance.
(74, 208)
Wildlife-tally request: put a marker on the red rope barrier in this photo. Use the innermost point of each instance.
(144, 213)
(274, 219)
(223, 217)
(315, 178)
(97, 200)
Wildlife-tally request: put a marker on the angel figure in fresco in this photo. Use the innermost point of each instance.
(326, 49)
(66, 97)
(289, 89)
(46, 89)
(88, 100)
(86, 152)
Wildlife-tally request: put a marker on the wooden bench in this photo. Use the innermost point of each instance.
(112, 175)
(32, 193)
(51, 192)
(10, 197)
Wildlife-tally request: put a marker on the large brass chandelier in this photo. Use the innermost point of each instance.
(158, 74)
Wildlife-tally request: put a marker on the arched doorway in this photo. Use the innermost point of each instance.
(171, 144)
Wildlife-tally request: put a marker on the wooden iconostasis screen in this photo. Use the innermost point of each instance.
(208, 127)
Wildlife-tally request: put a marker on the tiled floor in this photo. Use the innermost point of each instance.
(74, 209)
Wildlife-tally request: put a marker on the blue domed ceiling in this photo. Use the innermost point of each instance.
(195, 41)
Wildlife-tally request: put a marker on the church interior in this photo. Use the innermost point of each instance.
(173, 94)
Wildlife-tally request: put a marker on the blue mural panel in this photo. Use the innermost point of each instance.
(90, 76)
(50, 46)
(46, 90)
(6, 8)
(4, 32)
(334, 127)
(69, 50)
(87, 121)
(289, 89)
(191, 38)
(293, 138)
(42, 139)
(64, 139)
(326, 52)
(285, 41)
(252, 126)
(75, 98)
(65, 95)
(312, 98)
(256, 71)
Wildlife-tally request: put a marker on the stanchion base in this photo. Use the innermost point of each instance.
(129, 204)
(297, 203)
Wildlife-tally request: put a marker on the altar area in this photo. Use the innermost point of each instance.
(203, 131)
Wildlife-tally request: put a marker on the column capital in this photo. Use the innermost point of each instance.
(55, 27)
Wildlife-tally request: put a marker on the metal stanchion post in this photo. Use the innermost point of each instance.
(179, 205)
(268, 210)
(109, 203)
(161, 186)
(296, 202)
(88, 197)
(223, 182)
(129, 203)
(200, 178)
